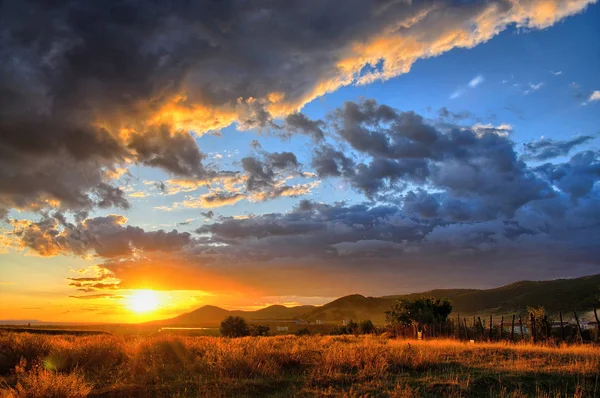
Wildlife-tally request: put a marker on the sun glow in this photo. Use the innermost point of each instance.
(142, 301)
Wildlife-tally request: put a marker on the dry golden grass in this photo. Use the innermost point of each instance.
(38, 365)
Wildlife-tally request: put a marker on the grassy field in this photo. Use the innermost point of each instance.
(55, 366)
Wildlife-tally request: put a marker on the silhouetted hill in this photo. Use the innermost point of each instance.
(210, 315)
(579, 294)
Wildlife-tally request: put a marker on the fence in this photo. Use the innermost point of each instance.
(533, 328)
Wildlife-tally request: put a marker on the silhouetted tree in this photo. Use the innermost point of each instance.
(303, 332)
(419, 312)
(543, 323)
(259, 330)
(234, 326)
(366, 327)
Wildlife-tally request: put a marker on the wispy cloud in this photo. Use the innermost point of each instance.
(593, 97)
(457, 93)
(557, 73)
(476, 81)
(533, 87)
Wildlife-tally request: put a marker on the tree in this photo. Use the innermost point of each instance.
(259, 330)
(303, 332)
(543, 324)
(366, 327)
(234, 326)
(419, 312)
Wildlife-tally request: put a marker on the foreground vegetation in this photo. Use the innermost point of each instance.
(46, 366)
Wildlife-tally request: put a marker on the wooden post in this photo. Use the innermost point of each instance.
(482, 328)
(458, 323)
(562, 329)
(578, 326)
(501, 326)
(512, 329)
(533, 331)
(466, 329)
(597, 323)
(548, 328)
(521, 327)
(491, 326)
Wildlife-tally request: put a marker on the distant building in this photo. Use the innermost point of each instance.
(517, 329)
(283, 328)
(301, 322)
(346, 322)
(319, 322)
(589, 325)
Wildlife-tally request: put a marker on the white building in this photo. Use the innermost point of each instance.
(283, 328)
(319, 322)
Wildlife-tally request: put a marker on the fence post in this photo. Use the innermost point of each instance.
(490, 332)
(482, 328)
(512, 330)
(547, 326)
(501, 326)
(578, 326)
(562, 329)
(521, 327)
(458, 322)
(533, 331)
(597, 324)
(467, 329)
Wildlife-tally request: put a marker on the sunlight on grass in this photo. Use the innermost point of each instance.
(292, 366)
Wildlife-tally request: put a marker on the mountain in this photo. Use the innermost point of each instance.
(580, 294)
(210, 316)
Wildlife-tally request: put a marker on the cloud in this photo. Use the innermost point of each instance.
(476, 81)
(594, 96)
(474, 166)
(557, 73)
(105, 236)
(533, 87)
(545, 148)
(98, 296)
(213, 199)
(78, 98)
(457, 93)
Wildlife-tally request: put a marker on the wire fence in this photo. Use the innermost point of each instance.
(531, 327)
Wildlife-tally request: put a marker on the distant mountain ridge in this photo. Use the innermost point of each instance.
(561, 294)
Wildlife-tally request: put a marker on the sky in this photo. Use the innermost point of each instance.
(157, 157)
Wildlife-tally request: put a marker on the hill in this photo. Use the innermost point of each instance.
(580, 294)
(210, 316)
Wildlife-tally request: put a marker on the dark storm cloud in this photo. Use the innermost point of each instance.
(91, 86)
(267, 173)
(476, 168)
(106, 236)
(299, 123)
(175, 152)
(545, 149)
(330, 162)
(578, 176)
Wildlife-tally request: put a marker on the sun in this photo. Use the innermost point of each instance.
(142, 301)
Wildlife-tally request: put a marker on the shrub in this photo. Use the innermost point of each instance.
(366, 327)
(303, 332)
(259, 330)
(234, 326)
(47, 384)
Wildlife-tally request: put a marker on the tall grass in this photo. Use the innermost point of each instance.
(38, 365)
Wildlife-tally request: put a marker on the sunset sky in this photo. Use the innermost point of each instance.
(159, 156)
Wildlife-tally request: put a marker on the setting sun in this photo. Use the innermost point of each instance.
(142, 301)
